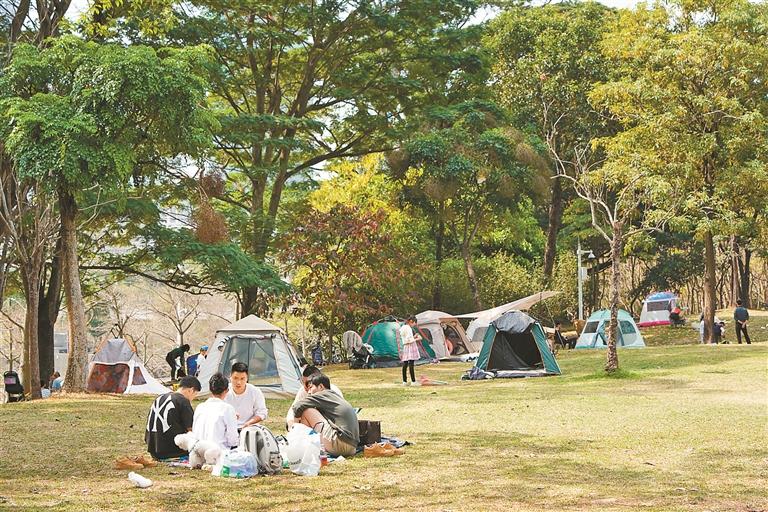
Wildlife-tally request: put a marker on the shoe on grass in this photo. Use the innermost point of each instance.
(126, 463)
(145, 460)
(379, 450)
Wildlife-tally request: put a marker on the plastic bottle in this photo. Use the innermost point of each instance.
(323, 457)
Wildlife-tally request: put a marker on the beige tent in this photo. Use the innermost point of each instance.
(482, 319)
(446, 334)
(272, 360)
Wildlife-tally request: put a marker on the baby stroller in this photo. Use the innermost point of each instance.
(13, 388)
(362, 357)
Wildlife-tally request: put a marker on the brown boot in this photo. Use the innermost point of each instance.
(126, 463)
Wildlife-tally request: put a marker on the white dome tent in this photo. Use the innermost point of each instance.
(117, 368)
(273, 364)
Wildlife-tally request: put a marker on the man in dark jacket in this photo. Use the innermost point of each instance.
(329, 415)
(175, 359)
(171, 414)
(740, 318)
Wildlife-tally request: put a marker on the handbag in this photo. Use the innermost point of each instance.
(370, 431)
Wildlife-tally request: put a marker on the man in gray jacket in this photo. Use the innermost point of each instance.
(740, 317)
(329, 415)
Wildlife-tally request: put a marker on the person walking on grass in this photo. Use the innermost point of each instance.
(740, 318)
(410, 352)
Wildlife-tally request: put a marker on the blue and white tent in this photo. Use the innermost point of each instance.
(595, 333)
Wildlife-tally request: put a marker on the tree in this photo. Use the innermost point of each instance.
(86, 114)
(297, 84)
(342, 259)
(694, 100)
(546, 62)
(471, 165)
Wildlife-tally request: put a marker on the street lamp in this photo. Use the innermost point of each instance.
(581, 275)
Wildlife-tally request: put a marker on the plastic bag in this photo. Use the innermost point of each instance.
(303, 451)
(236, 464)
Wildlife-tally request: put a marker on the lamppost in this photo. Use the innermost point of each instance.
(581, 274)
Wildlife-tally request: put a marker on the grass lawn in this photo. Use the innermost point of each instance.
(683, 428)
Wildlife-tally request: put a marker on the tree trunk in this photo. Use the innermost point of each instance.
(437, 292)
(735, 273)
(555, 218)
(710, 279)
(48, 313)
(746, 278)
(31, 280)
(467, 256)
(612, 356)
(77, 362)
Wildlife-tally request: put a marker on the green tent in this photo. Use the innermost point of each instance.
(383, 336)
(515, 345)
(595, 330)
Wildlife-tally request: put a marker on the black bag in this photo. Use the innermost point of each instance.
(370, 431)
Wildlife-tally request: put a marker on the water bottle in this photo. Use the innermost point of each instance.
(323, 457)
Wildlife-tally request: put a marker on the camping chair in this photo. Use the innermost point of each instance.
(14, 390)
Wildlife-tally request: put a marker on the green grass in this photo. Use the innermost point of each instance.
(682, 428)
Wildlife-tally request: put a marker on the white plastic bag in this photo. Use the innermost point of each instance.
(236, 464)
(303, 450)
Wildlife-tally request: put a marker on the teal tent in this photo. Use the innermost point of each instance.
(515, 345)
(383, 336)
(595, 331)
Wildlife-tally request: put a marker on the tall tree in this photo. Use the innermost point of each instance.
(297, 84)
(546, 61)
(87, 115)
(470, 165)
(694, 99)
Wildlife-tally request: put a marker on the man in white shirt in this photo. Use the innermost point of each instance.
(215, 420)
(247, 399)
(307, 372)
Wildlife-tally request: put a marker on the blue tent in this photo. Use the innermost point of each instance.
(595, 333)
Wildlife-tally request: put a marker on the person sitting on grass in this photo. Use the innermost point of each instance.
(329, 415)
(216, 420)
(44, 391)
(307, 371)
(247, 399)
(171, 414)
(56, 381)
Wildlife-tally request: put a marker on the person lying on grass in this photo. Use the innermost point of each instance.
(247, 399)
(216, 420)
(329, 415)
(171, 414)
(306, 372)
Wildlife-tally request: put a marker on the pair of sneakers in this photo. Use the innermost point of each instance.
(135, 462)
(382, 450)
(411, 384)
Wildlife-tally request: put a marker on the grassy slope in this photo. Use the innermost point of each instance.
(684, 429)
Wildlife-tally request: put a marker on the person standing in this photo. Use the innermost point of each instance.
(175, 359)
(740, 319)
(410, 352)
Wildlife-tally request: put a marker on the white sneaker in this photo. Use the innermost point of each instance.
(415, 384)
(405, 383)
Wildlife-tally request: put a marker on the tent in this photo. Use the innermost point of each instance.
(445, 334)
(117, 368)
(656, 308)
(595, 330)
(273, 363)
(515, 345)
(482, 319)
(384, 337)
